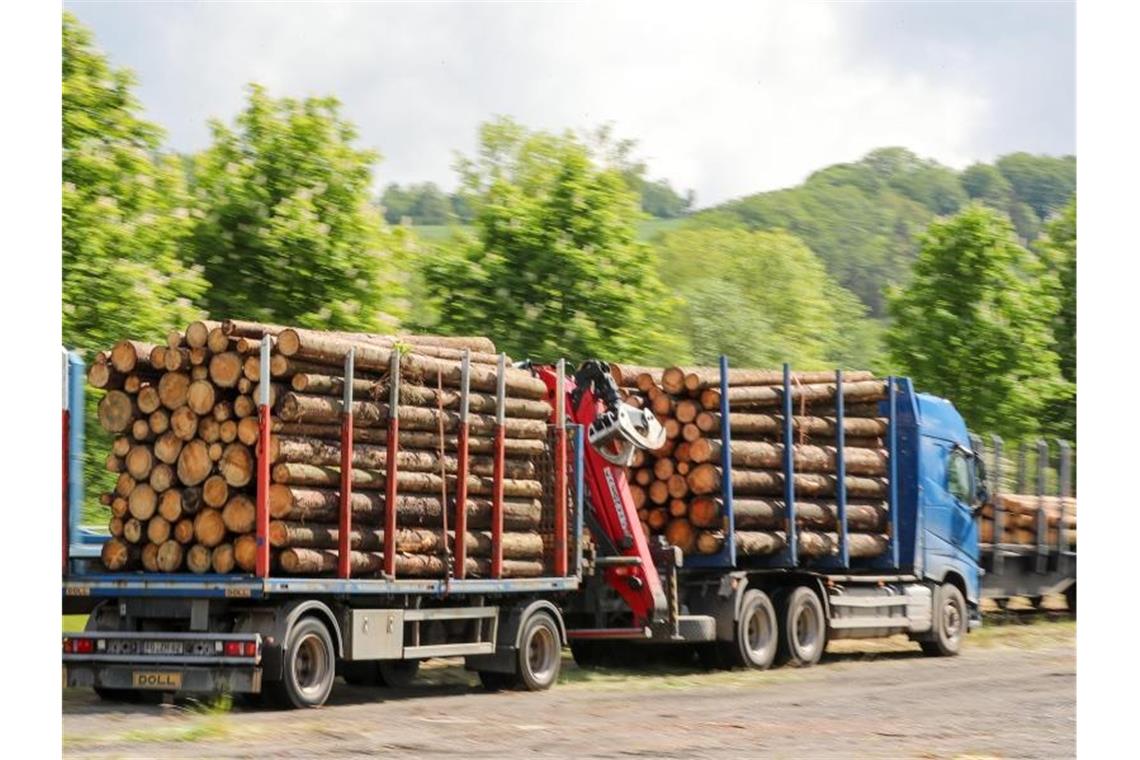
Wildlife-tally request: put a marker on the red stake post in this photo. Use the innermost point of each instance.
(344, 549)
(262, 563)
(461, 470)
(392, 471)
(560, 562)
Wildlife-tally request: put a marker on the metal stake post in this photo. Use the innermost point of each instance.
(1063, 483)
(560, 507)
(344, 549)
(1042, 544)
(497, 472)
(262, 561)
(461, 468)
(392, 471)
(841, 471)
(789, 467)
(995, 497)
(726, 461)
(893, 467)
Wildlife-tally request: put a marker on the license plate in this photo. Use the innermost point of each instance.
(156, 680)
(162, 647)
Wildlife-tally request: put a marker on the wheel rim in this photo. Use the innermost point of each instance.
(758, 633)
(311, 665)
(541, 654)
(806, 630)
(952, 620)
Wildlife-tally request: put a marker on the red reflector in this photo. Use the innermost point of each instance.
(233, 649)
(68, 645)
(84, 646)
(251, 649)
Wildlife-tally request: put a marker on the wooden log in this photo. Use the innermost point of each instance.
(142, 502)
(770, 514)
(315, 451)
(222, 558)
(170, 505)
(290, 473)
(663, 469)
(158, 421)
(124, 484)
(760, 543)
(415, 439)
(133, 530)
(161, 477)
(284, 534)
(710, 542)
(249, 430)
(679, 532)
(298, 407)
(316, 562)
(115, 526)
(141, 432)
(184, 531)
(157, 530)
(236, 464)
(114, 464)
(215, 491)
(117, 410)
(239, 514)
(323, 505)
(317, 346)
(184, 423)
(643, 476)
(198, 559)
(628, 375)
(699, 378)
(638, 494)
(209, 528)
(766, 396)
(120, 446)
(687, 410)
(658, 492)
(194, 464)
(191, 500)
(201, 397)
(117, 555)
(677, 486)
(244, 407)
(227, 431)
(678, 508)
(168, 448)
(807, 458)
(104, 376)
(706, 479)
(198, 332)
(223, 410)
(176, 359)
(418, 395)
(149, 557)
(158, 357)
(209, 429)
(174, 389)
(773, 425)
(225, 369)
(169, 558)
(120, 507)
(126, 355)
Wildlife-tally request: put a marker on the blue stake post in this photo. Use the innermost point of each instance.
(789, 468)
(841, 471)
(726, 460)
(893, 468)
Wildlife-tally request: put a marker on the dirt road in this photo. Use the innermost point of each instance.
(1012, 693)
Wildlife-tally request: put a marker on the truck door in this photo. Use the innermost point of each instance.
(947, 493)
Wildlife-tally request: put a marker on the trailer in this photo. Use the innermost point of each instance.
(289, 637)
(606, 591)
(1044, 567)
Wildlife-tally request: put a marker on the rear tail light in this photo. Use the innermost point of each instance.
(68, 645)
(250, 649)
(84, 646)
(232, 649)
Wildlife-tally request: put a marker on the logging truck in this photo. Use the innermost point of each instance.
(749, 598)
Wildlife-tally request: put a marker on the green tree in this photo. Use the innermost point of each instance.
(397, 203)
(125, 220)
(1045, 183)
(762, 298)
(975, 324)
(554, 268)
(1059, 250)
(285, 229)
(659, 199)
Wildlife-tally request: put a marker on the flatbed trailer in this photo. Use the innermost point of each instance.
(289, 636)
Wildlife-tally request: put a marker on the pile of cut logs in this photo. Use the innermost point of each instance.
(678, 488)
(1020, 519)
(185, 419)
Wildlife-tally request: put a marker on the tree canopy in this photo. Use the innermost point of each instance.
(285, 230)
(975, 324)
(554, 267)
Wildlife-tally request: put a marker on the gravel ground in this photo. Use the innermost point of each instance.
(1012, 693)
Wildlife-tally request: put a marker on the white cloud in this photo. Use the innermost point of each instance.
(727, 99)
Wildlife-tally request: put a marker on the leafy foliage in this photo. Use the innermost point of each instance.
(975, 324)
(423, 204)
(554, 268)
(286, 231)
(125, 219)
(762, 298)
(1044, 183)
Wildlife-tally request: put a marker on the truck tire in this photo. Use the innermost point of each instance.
(803, 628)
(538, 658)
(949, 624)
(587, 654)
(309, 667)
(1071, 599)
(756, 638)
(397, 674)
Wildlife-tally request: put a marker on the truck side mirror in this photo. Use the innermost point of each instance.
(981, 489)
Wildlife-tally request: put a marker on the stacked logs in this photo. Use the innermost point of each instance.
(678, 488)
(185, 417)
(1020, 519)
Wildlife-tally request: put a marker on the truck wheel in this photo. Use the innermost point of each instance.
(540, 653)
(397, 674)
(949, 622)
(586, 654)
(803, 628)
(757, 639)
(310, 666)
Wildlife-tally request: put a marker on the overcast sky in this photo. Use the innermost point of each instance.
(726, 99)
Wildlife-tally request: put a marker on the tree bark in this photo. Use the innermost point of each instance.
(314, 451)
(412, 439)
(706, 479)
(410, 540)
(807, 458)
(413, 482)
(117, 411)
(323, 505)
(762, 396)
(314, 562)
